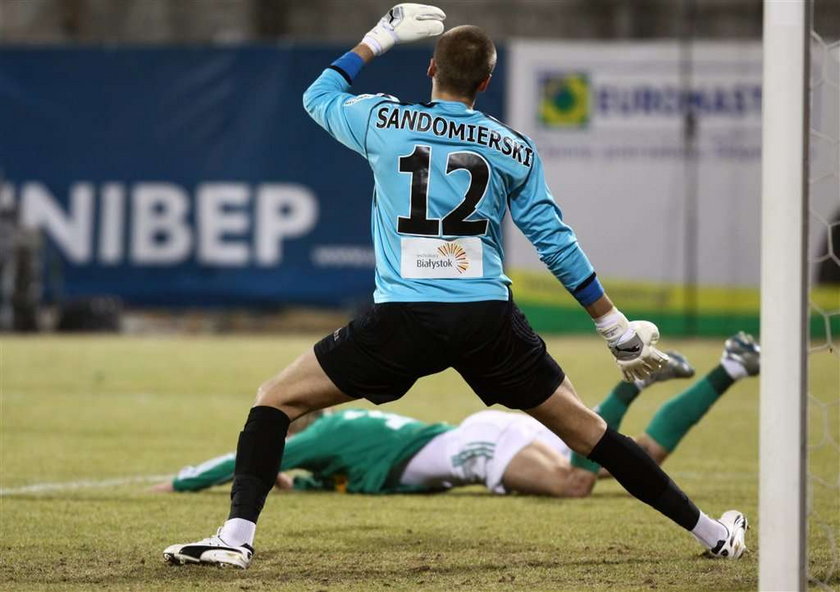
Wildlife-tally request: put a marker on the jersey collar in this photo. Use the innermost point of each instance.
(454, 106)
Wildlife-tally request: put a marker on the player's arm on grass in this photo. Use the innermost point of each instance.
(307, 482)
(312, 483)
(212, 472)
(535, 212)
(344, 115)
(301, 453)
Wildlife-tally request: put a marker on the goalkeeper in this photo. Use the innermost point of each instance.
(357, 451)
(444, 175)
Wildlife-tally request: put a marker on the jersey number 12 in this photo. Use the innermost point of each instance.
(455, 223)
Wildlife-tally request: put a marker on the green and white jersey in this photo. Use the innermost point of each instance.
(352, 450)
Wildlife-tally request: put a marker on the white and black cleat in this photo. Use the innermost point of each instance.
(677, 366)
(733, 546)
(743, 349)
(210, 551)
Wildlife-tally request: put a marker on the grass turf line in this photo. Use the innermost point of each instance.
(99, 408)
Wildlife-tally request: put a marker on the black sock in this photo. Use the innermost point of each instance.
(258, 457)
(643, 478)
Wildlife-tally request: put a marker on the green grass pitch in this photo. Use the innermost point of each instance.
(94, 409)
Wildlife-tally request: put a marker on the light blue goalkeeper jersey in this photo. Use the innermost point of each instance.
(444, 175)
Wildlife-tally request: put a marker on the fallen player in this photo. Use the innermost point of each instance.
(359, 451)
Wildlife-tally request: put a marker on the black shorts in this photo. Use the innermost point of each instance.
(380, 354)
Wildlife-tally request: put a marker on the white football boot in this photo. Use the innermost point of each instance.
(210, 551)
(733, 546)
(743, 349)
(677, 366)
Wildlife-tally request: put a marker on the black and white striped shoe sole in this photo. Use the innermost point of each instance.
(176, 559)
(195, 554)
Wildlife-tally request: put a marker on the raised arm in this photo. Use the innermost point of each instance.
(345, 116)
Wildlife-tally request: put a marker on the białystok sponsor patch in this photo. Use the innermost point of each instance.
(423, 258)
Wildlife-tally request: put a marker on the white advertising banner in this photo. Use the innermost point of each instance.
(653, 152)
(610, 122)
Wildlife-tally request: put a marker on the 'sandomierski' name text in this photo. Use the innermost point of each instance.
(388, 117)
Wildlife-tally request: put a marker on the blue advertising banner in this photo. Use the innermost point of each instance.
(192, 176)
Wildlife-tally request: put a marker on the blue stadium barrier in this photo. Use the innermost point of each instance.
(192, 176)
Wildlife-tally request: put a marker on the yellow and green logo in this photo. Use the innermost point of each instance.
(564, 100)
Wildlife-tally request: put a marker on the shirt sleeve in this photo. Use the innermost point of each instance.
(537, 215)
(344, 115)
(212, 472)
(299, 453)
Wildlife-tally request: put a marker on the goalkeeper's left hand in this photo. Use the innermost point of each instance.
(636, 357)
(404, 23)
(632, 345)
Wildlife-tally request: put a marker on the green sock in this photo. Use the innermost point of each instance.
(673, 420)
(612, 409)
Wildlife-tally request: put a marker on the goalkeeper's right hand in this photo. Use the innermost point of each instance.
(632, 345)
(404, 23)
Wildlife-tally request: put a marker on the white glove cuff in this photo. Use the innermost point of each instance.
(379, 40)
(613, 326)
(372, 44)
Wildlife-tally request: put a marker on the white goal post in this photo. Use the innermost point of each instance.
(784, 298)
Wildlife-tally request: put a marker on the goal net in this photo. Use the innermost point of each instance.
(823, 449)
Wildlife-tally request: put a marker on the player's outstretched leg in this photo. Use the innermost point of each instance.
(741, 358)
(587, 433)
(615, 406)
(297, 390)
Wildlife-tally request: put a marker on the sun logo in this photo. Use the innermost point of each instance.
(456, 252)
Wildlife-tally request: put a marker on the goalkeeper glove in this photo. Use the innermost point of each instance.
(404, 23)
(632, 345)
